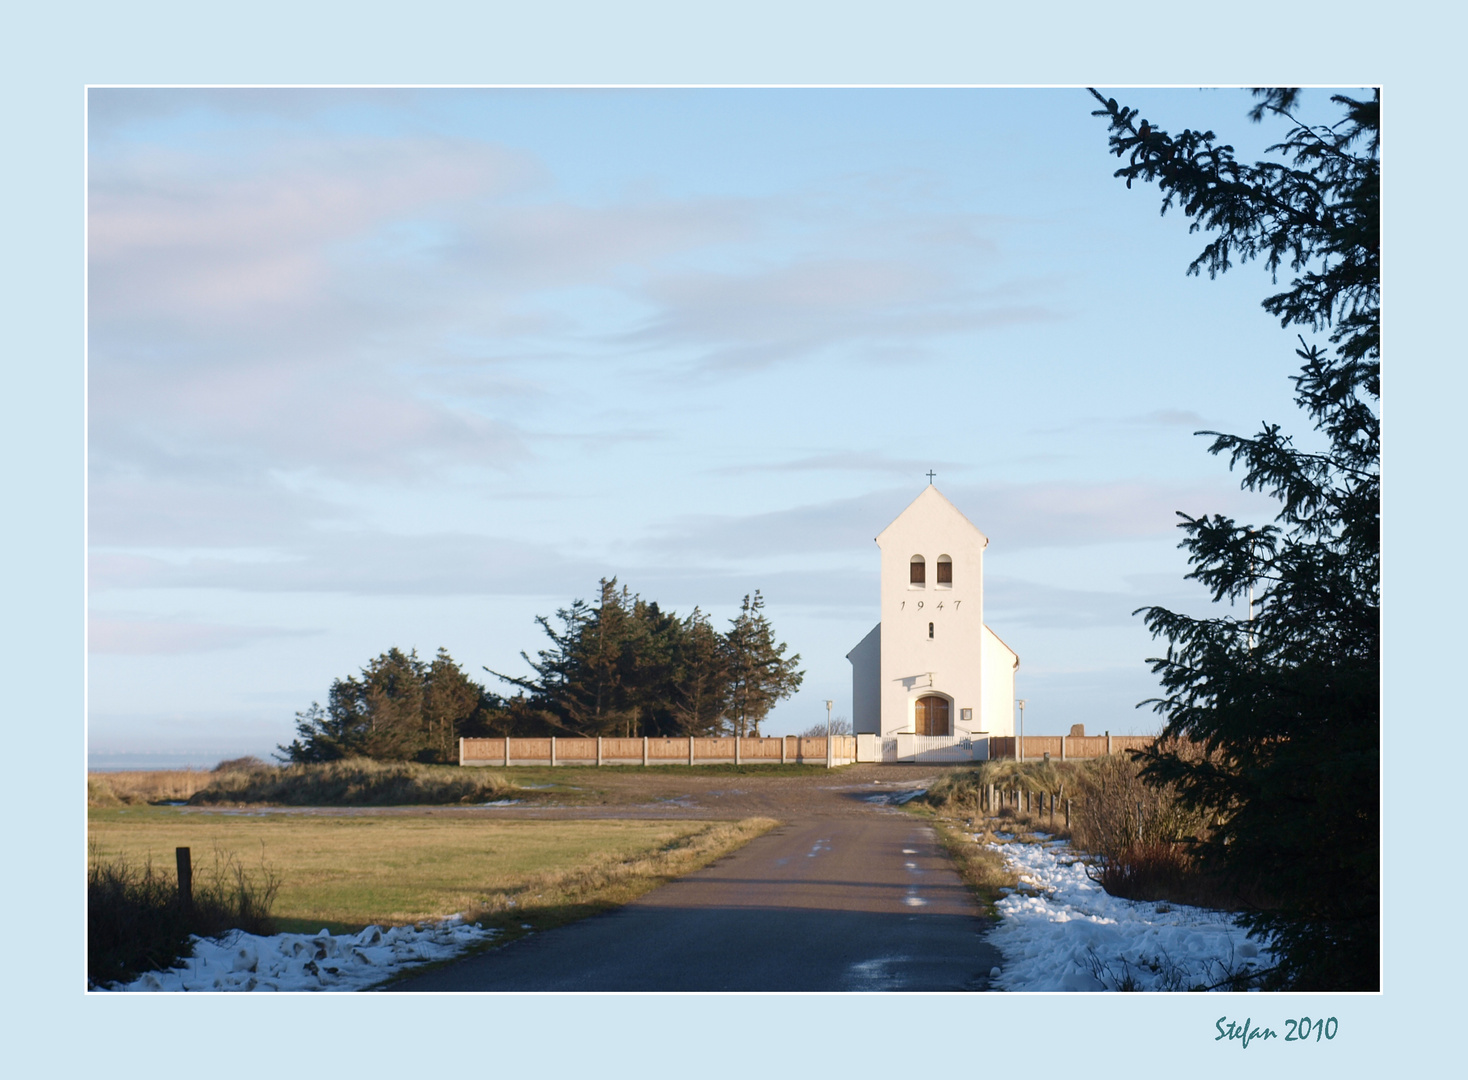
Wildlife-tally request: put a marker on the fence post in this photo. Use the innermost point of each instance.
(461, 751)
(784, 742)
(1108, 744)
(738, 756)
(598, 749)
(507, 751)
(185, 877)
(644, 751)
(553, 751)
(1067, 813)
(690, 749)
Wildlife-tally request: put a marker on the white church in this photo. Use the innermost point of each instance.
(931, 667)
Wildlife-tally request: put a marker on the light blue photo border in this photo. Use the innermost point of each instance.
(60, 49)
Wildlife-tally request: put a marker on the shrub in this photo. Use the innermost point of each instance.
(1118, 811)
(240, 764)
(355, 782)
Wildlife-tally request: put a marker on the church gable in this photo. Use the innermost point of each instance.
(929, 511)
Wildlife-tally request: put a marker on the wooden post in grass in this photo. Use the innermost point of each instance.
(738, 757)
(185, 877)
(1067, 813)
(644, 751)
(507, 751)
(598, 749)
(784, 742)
(553, 751)
(690, 749)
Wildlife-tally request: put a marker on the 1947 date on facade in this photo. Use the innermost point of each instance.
(1303, 1029)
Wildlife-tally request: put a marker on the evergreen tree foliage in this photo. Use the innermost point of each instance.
(399, 709)
(698, 698)
(593, 679)
(623, 666)
(760, 675)
(1285, 704)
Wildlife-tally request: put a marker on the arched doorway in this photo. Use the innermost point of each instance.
(931, 715)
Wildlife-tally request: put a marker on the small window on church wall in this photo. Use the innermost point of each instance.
(945, 570)
(918, 573)
(930, 631)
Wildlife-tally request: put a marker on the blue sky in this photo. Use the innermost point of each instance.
(376, 368)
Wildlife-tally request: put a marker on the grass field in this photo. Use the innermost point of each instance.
(346, 872)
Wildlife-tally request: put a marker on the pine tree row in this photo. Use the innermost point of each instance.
(618, 667)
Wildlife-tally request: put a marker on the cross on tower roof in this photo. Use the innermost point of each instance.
(931, 474)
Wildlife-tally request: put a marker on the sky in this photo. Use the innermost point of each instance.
(376, 368)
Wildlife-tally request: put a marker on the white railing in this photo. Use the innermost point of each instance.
(939, 748)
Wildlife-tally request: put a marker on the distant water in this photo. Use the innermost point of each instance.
(99, 762)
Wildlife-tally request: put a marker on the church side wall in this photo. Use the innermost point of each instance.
(998, 686)
(866, 684)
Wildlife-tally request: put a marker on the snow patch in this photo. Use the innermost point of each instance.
(297, 962)
(1061, 931)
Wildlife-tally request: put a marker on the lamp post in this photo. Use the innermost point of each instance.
(1020, 752)
(830, 755)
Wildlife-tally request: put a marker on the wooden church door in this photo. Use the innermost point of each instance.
(932, 715)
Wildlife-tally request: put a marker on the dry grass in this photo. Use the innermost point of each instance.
(141, 788)
(607, 879)
(345, 871)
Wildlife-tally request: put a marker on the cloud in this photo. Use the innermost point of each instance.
(758, 317)
(879, 464)
(1029, 604)
(364, 563)
(1170, 418)
(1016, 516)
(155, 637)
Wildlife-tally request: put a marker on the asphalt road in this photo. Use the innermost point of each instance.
(862, 901)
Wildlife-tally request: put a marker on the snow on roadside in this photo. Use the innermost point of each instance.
(1072, 935)
(324, 961)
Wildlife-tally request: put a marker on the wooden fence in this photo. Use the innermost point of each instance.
(1065, 747)
(725, 750)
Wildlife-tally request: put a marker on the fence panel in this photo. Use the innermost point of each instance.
(622, 749)
(666, 750)
(581, 751)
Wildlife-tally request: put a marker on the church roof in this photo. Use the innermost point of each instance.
(930, 494)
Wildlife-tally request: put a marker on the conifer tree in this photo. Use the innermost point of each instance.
(397, 709)
(699, 688)
(760, 675)
(1285, 703)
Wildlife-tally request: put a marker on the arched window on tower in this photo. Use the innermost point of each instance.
(945, 570)
(917, 575)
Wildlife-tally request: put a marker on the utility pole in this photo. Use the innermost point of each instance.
(1020, 750)
(830, 754)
